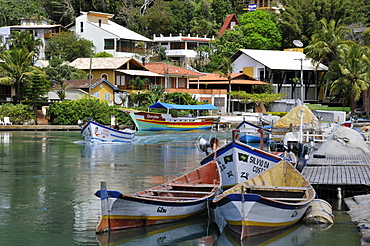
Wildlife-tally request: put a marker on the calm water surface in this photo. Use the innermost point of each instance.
(48, 180)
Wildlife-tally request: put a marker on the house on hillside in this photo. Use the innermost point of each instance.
(98, 88)
(181, 49)
(216, 82)
(283, 69)
(271, 5)
(229, 24)
(108, 36)
(41, 29)
(118, 70)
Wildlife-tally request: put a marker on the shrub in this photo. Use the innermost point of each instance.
(69, 112)
(18, 114)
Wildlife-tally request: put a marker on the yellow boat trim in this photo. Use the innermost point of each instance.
(256, 223)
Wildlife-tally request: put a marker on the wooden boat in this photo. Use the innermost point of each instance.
(179, 199)
(251, 133)
(148, 121)
(95, 132)
(272, 200)
(239, 162)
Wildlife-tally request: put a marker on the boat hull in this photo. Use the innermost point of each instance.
(127, 213)
(272, 200)
(261, 216)
(239, 162)
(179, 199)
(94, 132)
(157, 122)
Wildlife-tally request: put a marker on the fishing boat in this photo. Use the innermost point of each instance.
(149, 121)
(95, 132)
(186, 196)
(272, 200)
(251, 133)
(238, 161)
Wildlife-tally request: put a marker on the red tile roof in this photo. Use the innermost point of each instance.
(164, 68)
(226, 25)
(236, 78)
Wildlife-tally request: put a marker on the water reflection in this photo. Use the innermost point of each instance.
(198, 231)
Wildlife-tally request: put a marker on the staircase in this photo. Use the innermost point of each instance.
(40, 118)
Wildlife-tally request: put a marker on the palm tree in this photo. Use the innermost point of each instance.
(350, 74)
(27, 40)
(325, 43)
(226, 70)
(15, 68)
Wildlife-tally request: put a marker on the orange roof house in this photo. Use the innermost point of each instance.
(173, 76)
(239, 81)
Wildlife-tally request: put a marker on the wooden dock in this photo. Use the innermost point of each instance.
(347, 172)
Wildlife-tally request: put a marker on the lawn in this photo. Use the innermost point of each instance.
(324, 107)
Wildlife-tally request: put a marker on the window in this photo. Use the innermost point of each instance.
(177, 46)
(97, 94)
(192, 45)
(109, 44)
(219, 102)
(182, 83)
(81, 26)
(99, 23)
(107, 96)
(105, 76)
(120, 80)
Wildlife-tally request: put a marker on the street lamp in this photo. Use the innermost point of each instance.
(299, 44)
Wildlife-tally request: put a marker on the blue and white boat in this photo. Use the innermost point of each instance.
(95, 132)
(251, 133)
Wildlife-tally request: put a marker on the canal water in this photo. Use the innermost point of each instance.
(48, 180)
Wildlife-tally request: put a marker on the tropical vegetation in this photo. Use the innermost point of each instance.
(327, 28)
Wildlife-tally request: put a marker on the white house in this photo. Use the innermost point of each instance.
(179, 48)
(41, 29)
(284, 69)
(108, 36)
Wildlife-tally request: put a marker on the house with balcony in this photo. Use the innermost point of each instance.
(219, 86)
(41, 29)
(118, 70)
(108, 36)
(270, 5)
(290, 72)
(181, 48)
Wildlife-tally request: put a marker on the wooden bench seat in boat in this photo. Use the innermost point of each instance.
(260, 187)
(187, 185)
(171, 197)
(181, 191)
(287, 199)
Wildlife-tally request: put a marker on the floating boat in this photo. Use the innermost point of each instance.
(179, 199)
(251, 133)
(148, 121)
(239, 162)
(95, 132)
(272, 200)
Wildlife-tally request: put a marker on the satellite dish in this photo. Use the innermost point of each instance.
(298, 43)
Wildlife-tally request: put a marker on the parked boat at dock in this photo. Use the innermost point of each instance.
(95, 132)
(179, 199)
(239, 162)
(251, 133)
(272, 200)
(148, 121)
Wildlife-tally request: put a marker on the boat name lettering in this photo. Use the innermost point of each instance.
(161, 210)
(229, 174)
(244, 175)
(152, 116)
(259, 162)
(257, 169)
(222, 167)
